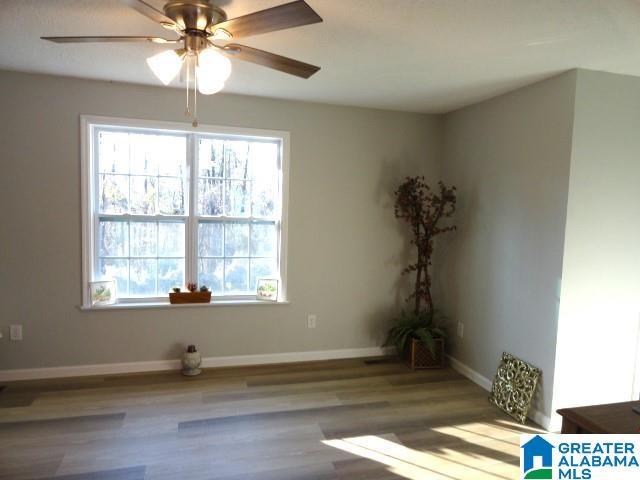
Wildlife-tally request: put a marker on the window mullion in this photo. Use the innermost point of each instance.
(224, 251)
(278, 226)
(95, 207)
(223, 218)
(129, 259)
(157, 251)
(249, 255)
(225, 176)
(191, 245)
(141, 218)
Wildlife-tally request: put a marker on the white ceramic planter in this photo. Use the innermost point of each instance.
(191, 360)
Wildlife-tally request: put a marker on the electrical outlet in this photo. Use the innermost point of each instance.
(311, 321)
(460, 329)
(15, 332)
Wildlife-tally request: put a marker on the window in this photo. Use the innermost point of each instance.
(165, 205)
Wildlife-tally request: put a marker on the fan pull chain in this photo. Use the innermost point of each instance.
(195, 94)
(187, 112)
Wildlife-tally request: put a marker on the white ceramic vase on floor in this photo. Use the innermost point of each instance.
(191, 360)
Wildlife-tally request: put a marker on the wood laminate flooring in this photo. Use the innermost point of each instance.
(355, 419)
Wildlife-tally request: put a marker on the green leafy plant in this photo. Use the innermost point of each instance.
(422, 326)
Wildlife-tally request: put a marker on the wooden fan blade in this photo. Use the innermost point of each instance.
(294, 14)
(271, 60)
(149, 11)
(107, 39)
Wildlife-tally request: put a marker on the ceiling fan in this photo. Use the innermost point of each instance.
(204, 32)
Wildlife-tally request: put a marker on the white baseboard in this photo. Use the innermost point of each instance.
(470, 373)
(208, 362)
(536, 415)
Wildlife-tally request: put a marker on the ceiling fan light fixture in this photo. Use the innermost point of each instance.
(198, 23)
(165, 65)
(209, 88)
(213, 67)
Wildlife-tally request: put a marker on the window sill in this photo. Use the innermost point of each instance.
(216, 303)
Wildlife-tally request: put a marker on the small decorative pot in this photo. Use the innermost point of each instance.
(191, 360)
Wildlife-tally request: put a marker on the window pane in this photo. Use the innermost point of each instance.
(172, 156)
(211, 158)
(236, 240)
(143, 154)
(263, 160)
(113, 152)
(170, 274)
(210, 273)
(144, 192)
(117, 269)
(237, 159)
(114, 194)
(209, 197)
(263, 240)
(170, 239)
(142, 277)
(236, 276)
(237, 199)
(147, 173)
(172, 195)
(263, 203)
(210, 239)
(114, 239)
(262, 268)
(144, 238)
(264, 172)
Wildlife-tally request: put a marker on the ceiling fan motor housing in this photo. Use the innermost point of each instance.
(194, 17)
(194, 43)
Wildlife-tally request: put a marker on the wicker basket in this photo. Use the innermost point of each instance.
(189, 297)
(418, 356)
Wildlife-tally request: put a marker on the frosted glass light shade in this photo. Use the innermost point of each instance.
(212, 71)
(165, 65)
(210, 88)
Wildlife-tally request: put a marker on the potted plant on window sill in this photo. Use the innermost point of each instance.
(417, 335)
(193, 295)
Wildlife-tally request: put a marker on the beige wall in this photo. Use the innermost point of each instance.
(499, 273)
(547, 178)
(345, 247)
(600, 307)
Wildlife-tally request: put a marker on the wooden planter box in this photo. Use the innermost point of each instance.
(190, 297)
(417, 356)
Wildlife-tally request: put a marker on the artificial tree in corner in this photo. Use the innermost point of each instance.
(416, 334)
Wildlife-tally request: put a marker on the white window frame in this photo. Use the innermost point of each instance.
(88, 126)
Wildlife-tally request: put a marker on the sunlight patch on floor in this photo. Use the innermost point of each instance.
(513, 426)
(489, 436)
(446, 464)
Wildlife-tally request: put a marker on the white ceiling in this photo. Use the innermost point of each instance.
(415, 55)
